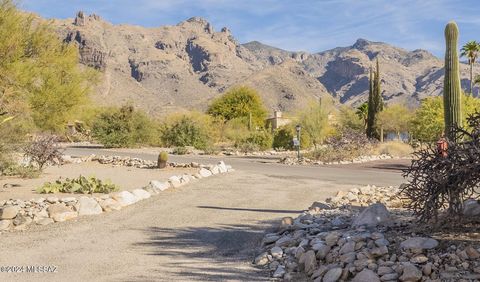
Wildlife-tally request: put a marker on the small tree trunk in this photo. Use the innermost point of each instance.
(471, 78)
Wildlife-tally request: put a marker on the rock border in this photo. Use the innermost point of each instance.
(17, 215)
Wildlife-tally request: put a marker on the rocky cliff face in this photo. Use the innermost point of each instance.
(170, 68)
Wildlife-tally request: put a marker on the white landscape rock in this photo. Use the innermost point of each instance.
(60, 212)
(110, 205)
(205, 172)
(376, 214)
(215, 169)
(88, 206)
(141, 194)
(222, 167)
(124, 198)
(175, 181)
(160, 186)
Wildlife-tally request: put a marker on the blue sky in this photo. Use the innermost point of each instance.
(297, 25)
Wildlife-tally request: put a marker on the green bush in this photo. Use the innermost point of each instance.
(81, 185)
(124, 127)
(256, 141)
(187, 130)
(283, 139)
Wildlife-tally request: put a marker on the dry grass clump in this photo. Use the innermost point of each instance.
(394, 149)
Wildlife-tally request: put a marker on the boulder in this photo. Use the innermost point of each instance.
(141, 194)
(410, 273)
(333, 275)
(366, 275)
(9, 212)
(110, 205)
(60, 212)
(419, 243)
(124, 198)
(471, 207)
(374, 215)
(88, 206)
(205, 172)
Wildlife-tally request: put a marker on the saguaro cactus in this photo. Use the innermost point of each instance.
(451, 87)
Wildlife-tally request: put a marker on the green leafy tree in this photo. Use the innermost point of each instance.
(395, 118)
(239, 103)
(471, 50)
(40, 69)
(427, 124)
(314, 122)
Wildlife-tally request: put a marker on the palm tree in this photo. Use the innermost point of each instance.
(470, 50)
(362, 113)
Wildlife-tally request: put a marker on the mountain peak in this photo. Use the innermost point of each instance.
(361, 43)
(201, 22)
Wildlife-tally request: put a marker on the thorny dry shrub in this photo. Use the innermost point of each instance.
(347, 145)
(439, 183)
(44, 149)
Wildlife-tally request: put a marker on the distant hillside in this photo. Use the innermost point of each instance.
(170, 68)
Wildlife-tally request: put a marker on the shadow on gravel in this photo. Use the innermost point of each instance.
(252, 210)
(393, 167)
(208, 254)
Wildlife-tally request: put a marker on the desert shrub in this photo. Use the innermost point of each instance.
(442, 182)
(43, 150)
(21, 171)
(239, 103)
(124, 127)
(191, 129)
(349, 118)
(180, 150)
(346, 145)
(260, 140)
(394, 149)
(82, 185)
(283, 138)
(234, 131)
(395, 118)
(315, 124)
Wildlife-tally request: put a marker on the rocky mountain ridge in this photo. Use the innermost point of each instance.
(171, 68)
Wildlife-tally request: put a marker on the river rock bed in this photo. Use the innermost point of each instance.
(125, 161)
(362, 159)
(17, 215)
(339, 241)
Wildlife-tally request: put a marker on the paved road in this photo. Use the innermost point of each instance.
(206, 231)
(384, 173)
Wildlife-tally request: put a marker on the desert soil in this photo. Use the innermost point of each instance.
(126, 178)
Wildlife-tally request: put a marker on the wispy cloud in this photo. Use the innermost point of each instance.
(294, 25)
